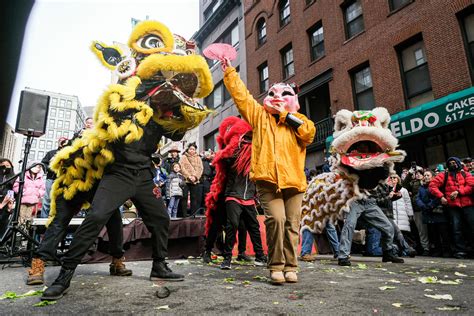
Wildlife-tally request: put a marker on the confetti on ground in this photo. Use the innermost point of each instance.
(182, 262)
(440, 296)
(44, 303)
(448, 308)
(397, 304)
(229, 280)
(393, 281)
(462, 265)
(460, 274)
(362, 266)
(384, 288)
(164, 307)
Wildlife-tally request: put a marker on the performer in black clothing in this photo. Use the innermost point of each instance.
(129, 177)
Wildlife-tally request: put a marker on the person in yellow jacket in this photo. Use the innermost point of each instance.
(280, 137)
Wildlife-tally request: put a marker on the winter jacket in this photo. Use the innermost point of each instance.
(191, 166)
(238, 185)
(33, 189)
(175, 184)
(168, 163)
(380, 194)
(402, 208)
(278, 150)
(50, 174)
(427, 202)
(412, 185)
(160, 176)
(463, 182)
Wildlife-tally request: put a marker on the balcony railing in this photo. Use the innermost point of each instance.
(324, 128)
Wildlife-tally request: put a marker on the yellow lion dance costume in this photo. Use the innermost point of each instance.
(158, 78)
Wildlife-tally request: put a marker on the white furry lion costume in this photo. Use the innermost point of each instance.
(363, 152)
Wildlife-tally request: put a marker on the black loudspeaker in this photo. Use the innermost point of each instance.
(32, 114)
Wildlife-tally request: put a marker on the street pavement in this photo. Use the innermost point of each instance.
(368, 287)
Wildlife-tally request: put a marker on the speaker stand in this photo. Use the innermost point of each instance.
(12, 250)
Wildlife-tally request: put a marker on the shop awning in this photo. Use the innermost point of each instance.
(444, 111)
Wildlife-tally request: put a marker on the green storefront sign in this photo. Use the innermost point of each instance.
(448, 110)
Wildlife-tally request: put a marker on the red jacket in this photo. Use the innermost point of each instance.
(463, 184)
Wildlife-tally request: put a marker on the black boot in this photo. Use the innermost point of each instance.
(59, 286)
(389, 256)
(161, 272)
(206, 257)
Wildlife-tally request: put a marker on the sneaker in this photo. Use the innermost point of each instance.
(118, 268)
(344, 262)
(225, 265)
(59, 287)
(388, 256)
(460, 255)
(36, 273)
(412, 253)
(161, 272)
(308, 257)
(206, 257)
(261, 261)
(291, 277)
(243, 257)
(277, 277)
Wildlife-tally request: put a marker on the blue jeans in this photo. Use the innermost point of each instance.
(46, 203)
(373, 247)
(308, 239)
(373, 215)
(459, 217)
(173, 206)
(307, 242)
(331, 234)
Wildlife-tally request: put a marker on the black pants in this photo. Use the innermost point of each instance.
(216, 229)
(438, 234)
(57, 230)
(234, 212)
(116, 186)
(195, 191)
(4, 216)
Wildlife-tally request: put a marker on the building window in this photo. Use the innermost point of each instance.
(40, 154)
(231, 36)
(33, 144)
(32, 155)
(263, 77)
(49, 145)
(52, 122)
(67, 125)
(397, 4)
(60, 124)
(284, 9)
(42, 144)
(316, 40)
(416, 75)
(363, 92)
(50, 133)
(467, 25)
(210, 141)
(69, 104)
(61, 113)
(53, 112)
(62, 103)
(211, 9)
(261, 31)
(58, 134)
(287, 60)
(68, 114)
(54, 101)
(353, 18)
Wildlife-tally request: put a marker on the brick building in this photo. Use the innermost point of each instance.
(413, 57)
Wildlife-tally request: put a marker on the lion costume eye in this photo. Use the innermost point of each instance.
(150, 41)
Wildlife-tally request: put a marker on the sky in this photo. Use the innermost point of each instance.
(56, 53)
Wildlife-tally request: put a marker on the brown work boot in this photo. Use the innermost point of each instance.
(35, 274)
(117, 267)
(291, 277)
(277, 277)
(308, 257)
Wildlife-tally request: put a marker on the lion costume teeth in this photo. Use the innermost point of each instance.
(362, 144)
(157, 78)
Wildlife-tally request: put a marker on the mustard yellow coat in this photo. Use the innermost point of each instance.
(278, 150)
